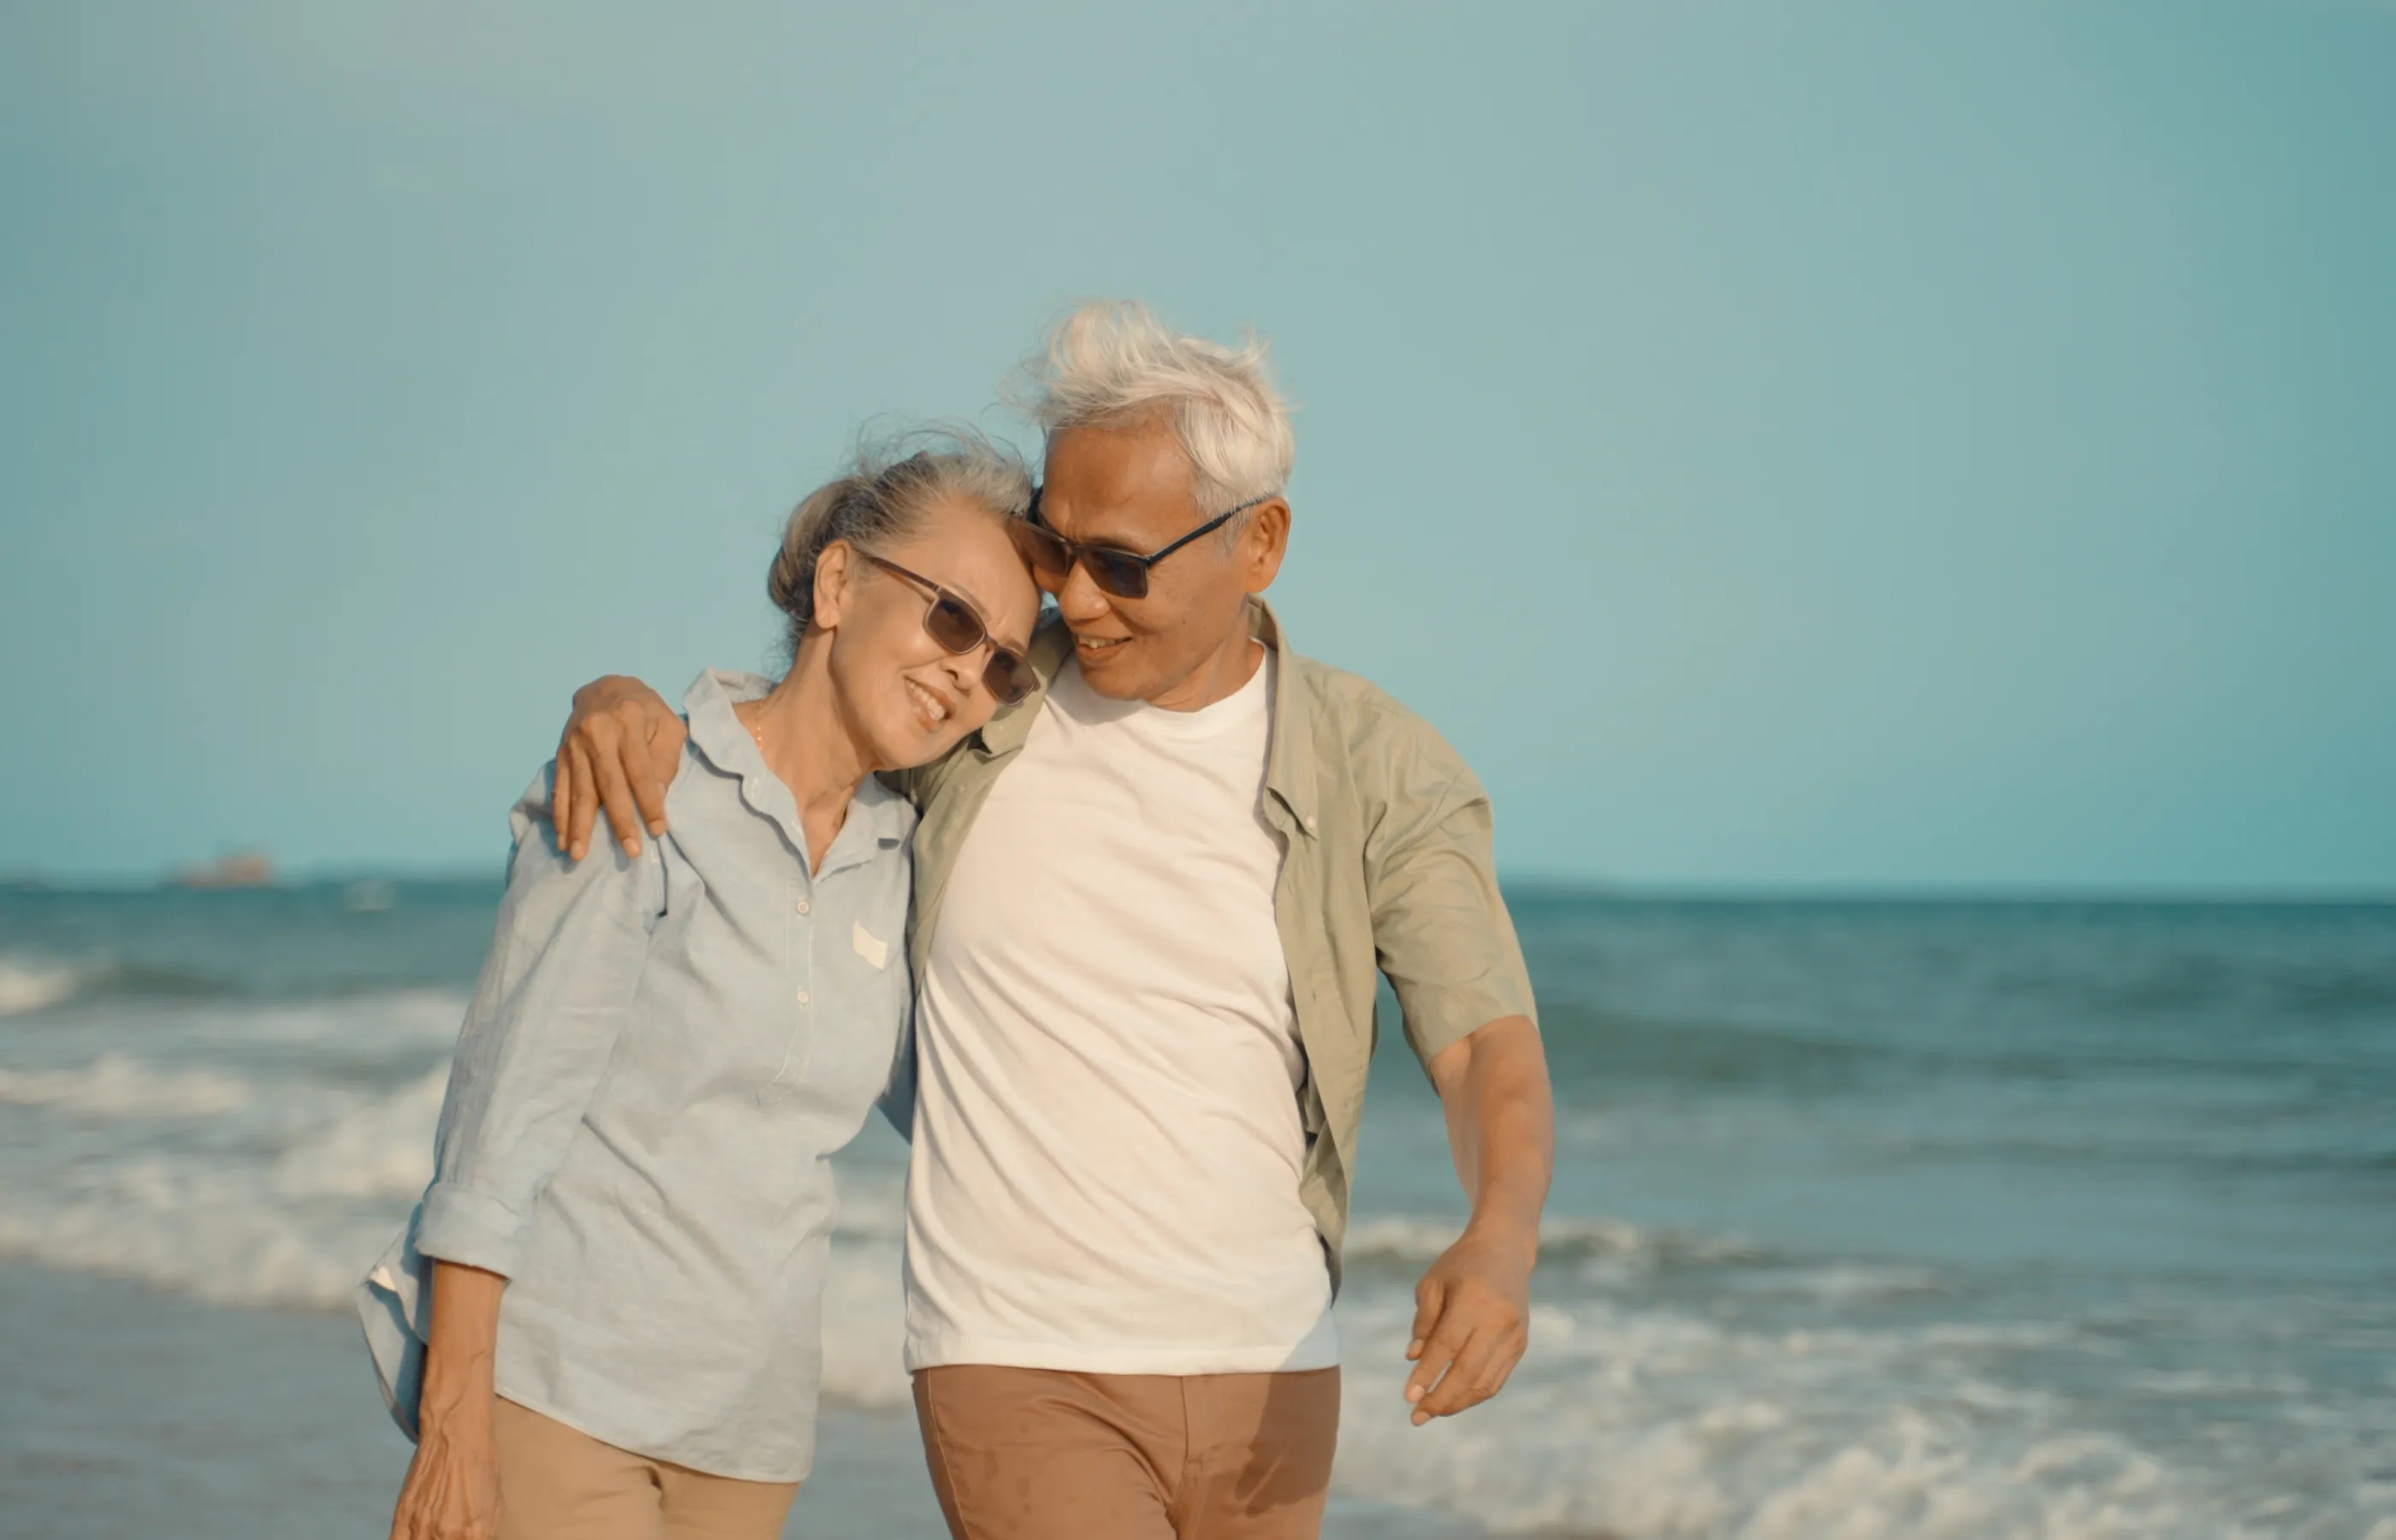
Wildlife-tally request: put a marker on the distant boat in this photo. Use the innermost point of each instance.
(247, 868)
(369, 896)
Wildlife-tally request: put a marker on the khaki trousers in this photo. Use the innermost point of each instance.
(1043, 1454)
(560, 1484)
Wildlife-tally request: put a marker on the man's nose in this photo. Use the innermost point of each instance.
(1080, 599)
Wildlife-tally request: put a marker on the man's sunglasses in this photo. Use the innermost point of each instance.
(1121, 573)
(952, 623)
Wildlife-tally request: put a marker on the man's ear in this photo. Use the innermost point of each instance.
(1264, 540)
(835, 572)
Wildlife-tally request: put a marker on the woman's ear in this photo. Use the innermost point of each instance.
(835, 572)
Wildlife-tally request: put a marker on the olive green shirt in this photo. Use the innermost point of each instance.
(1387, 869)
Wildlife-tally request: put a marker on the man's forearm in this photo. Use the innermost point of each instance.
(1500, 1126)
(1473, 1308)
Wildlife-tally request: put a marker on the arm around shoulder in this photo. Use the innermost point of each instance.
(619, 751)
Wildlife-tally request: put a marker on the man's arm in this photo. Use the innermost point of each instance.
(1447, 946)
(1474, 1307)
(621, 750)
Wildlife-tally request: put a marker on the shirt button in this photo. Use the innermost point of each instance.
(805, 908)
(802, 997)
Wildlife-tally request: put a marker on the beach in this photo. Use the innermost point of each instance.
(126, 1409)
(1964, 1222)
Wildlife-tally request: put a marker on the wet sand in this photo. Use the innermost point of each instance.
(127, 1411)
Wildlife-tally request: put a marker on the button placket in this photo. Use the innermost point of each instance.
(794, 1051)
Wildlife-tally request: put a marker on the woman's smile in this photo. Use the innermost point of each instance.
(932, 709)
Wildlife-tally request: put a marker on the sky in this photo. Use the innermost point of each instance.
(1910, 447)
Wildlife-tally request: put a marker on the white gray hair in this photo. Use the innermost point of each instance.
(1112, 361)
(883, 497)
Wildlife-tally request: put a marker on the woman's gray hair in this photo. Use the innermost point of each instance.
(892, 484)
(1113, 362)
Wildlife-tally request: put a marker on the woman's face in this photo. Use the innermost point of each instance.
(907, 698)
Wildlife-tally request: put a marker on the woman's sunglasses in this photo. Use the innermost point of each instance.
(952, 623)
(1121, 573)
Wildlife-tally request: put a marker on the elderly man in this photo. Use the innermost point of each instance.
(1151, 902)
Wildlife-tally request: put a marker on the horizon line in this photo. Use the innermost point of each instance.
(1533, 886)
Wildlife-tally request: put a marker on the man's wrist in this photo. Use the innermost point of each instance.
(1510, 1235)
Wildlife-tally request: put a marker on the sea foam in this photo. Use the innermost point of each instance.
(115, 1085)
(29, 985)
(1664, 1426)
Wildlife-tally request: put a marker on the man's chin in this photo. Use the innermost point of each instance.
(1108, 671)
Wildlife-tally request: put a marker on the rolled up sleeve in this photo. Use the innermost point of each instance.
(1441, 932)
(571, 943)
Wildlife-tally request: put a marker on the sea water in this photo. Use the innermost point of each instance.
(1902, 1220)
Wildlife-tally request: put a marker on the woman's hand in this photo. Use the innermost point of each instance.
(453, 1487)
(621, 748)
(452, 1491)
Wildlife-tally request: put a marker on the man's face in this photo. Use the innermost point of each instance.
(1130, 488)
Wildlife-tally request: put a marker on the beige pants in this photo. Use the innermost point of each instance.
(559, 1484)
(1042, 1454)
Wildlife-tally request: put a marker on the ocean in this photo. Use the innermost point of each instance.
(1919, 1220)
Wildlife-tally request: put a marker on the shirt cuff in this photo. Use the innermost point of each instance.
(470, 1228)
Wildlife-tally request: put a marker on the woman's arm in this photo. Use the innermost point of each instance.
(566, 958)
(452, 1491)
(571, 942)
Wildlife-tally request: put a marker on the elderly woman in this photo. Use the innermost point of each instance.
(626, 1234)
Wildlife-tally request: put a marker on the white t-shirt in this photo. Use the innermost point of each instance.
(1107, 1137)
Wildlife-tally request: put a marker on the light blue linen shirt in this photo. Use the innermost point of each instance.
(661, 1058)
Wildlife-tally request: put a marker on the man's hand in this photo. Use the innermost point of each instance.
(621, 750)
(1472, 1321)
(1472, 1309)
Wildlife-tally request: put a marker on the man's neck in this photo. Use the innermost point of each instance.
(1219, 677)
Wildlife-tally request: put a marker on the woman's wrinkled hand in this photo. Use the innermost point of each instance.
(619, 752)
(452, 1491)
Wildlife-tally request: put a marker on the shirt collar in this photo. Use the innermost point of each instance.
(724, 740)
(1290, 770)
(1289, 764)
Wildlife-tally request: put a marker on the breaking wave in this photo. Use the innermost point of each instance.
(1684, 1382)
(28, 984)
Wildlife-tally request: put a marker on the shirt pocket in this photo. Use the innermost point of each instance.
(839, 1054)
(862, 1045)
